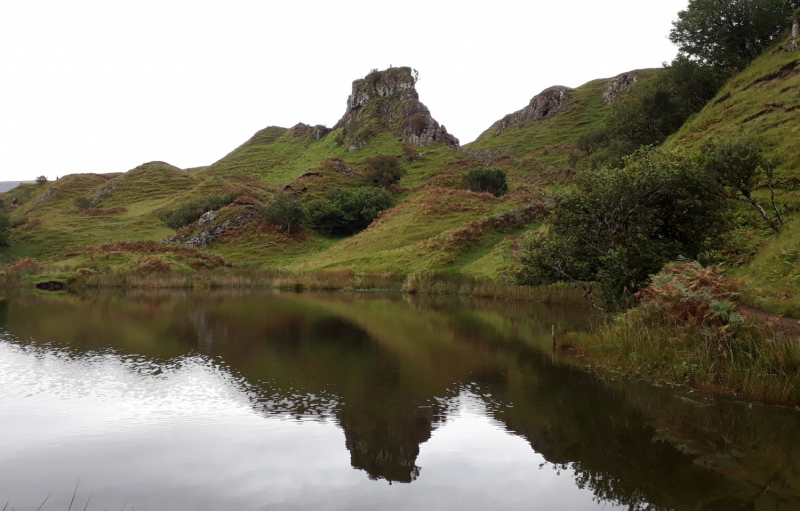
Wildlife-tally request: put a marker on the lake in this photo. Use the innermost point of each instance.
(250, 400)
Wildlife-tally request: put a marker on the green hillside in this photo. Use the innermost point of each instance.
(563, 123)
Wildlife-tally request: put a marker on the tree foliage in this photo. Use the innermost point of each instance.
(41, 180)
(285, 211)
(730, 33)
(486, 180)
(347, 211)
(737, 168)
(383, 170)
(617, 227)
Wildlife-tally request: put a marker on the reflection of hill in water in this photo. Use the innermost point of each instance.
(387, 368)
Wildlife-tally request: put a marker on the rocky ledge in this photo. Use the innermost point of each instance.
(550, 102)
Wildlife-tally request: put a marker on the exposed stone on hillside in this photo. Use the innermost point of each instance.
(388, 100)
(618, 86)
(46, 196)
(317, 132)
(548, 103)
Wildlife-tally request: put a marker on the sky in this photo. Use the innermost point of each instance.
(99, 86)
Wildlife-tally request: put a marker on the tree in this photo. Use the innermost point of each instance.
(730, 33)
(41, 180)
(383, 169)
(285, 211)
(486, 180)
(347, 211)
(737, 168)
(617, 227)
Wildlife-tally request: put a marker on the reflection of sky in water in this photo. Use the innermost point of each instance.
(186, 435)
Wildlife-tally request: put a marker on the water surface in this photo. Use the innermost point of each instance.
(255, 400)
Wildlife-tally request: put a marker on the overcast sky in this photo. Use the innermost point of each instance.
(103, 86)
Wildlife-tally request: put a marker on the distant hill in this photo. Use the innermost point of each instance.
(6, 186)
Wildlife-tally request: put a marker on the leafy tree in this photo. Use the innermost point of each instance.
(5, 225)
(82, 203)
(41, 180)
(285, 211)
(384, 170)
(730, 33)
(346, 211)
(737, 168)
(486, 180)
(617, 227)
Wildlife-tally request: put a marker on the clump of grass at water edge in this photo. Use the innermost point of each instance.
(688, 330)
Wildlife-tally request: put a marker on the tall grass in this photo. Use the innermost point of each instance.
(753, 360)
(686, 331)
(440, 283)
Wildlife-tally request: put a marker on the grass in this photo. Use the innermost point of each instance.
(763, 100)
(686, 332)
(587, 113)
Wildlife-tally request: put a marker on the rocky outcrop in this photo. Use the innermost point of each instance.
(46, 196)
(207, 237)
(208, 216)
(388, 100)
(618, 86)
(542, 106)
(317, 132)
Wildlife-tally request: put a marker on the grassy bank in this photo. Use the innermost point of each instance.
(424, 283)
(687, 332)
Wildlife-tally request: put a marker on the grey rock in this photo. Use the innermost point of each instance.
(542, 106)
(209, 216)
(618, 86)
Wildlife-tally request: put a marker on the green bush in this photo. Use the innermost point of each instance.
(19, 221)
(347, 211)
(82, 203)
(486, 180)
(617, 227)
(188, 212)
(383, 169)
(285, 211)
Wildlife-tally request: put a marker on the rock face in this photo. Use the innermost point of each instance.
(618, 86)
(796, 29)
(388, 100)
(208, 216)
(317, 132)
(548, 103)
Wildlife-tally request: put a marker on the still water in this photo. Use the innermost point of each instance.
(346, 401)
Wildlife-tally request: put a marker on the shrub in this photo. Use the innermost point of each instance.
(486, 180)
(41, 180)
(285, 211)
(28, 266)
(184, 214)
(82, 203)
(20, 221)
(383, 169)
(617, 227)
(154, 264)
(347, 211)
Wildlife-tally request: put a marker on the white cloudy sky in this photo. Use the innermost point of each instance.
(103, 86)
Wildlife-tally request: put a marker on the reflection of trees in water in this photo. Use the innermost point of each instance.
(389, 387)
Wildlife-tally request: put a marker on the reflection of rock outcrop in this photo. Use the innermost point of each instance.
(387, 448)
(207, 329)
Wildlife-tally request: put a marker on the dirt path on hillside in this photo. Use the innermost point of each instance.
(783, 322)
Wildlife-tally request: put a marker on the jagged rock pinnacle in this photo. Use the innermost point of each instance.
(388, 101)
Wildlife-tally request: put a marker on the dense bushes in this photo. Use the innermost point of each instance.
(188, 212)
(616, 227)
(383, 170)
(347, 211)
(486, 180)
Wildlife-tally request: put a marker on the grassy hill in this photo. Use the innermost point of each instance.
(553, 136)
